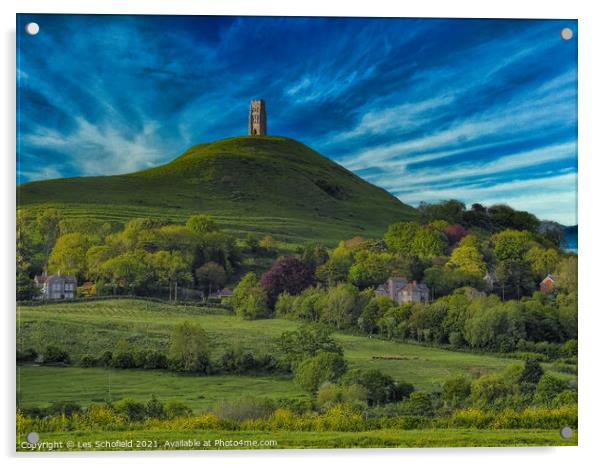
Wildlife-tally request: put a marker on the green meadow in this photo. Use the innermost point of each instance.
(94, 327)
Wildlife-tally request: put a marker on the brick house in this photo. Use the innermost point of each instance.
(56, 286)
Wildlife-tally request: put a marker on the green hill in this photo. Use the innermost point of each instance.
(266, 184)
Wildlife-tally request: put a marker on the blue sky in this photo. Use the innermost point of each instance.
(429, 109)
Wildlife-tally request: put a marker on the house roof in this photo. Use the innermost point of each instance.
(42, 279)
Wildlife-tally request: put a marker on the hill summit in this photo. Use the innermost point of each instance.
(268, 184)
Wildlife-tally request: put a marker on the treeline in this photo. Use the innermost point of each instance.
(144, 257)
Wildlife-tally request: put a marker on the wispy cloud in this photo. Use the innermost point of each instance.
(481, 110)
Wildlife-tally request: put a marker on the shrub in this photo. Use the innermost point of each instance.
(131, 409)
(155, 408)
(381, 388)
(88, 361)
(244, 408)
(27, 355)
(548, 388)
(123, 360)
(64, 407)
(53, 355)
(532, 372)
(489, 388)
(155, 360)
(106, 359)
(175, 409)
(456, 390)
(569, 348)
(418, 404)
(330, 394)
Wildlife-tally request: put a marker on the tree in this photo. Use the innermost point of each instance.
(566, 274)
(542, 261)
(511, 244)
(340, 306)
(455, 233)
(211, 276)
(202, 224)
(399, 237)
(306, 342)
(189, 348)
(249, 300)
(288, 274)
(314, 254)
(170, 268)
(468, 259)
(531, 372)
(321, 368)
(69, 255)
(451, 211)
(504, 217)
(456, 390)
(128, 271)
(489, 388)
(548, 388)
(370, 268)
(380, 388)
(515, 278)
(48, 225)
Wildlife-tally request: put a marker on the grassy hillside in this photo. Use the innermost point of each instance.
(267, 184)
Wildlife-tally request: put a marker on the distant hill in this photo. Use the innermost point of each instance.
(266, 184)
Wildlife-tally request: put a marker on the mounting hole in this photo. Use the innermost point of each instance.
(566, 432)
(33, 437)
(566, 33)
(32, 28)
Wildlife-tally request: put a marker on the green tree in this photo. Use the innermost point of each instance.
(456, 390)
(321, 368)
(340, 306)
(565, 275)
(202, 224)
(249, 299)
(170, 268)
(211, 276)
(48, 221)
(548, 388)
(399, 237)
(306, 342)
(489, 388)
(468, 259)
(511, 245)
(370, 268)
(542, 261)
(69, 255)
(189, 348)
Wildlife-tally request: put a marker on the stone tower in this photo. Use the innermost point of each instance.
(258, 121)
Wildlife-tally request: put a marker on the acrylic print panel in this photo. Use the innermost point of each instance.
(284, 232)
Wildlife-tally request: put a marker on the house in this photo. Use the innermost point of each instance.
(547, 285)
(56, 286)
(224, 293)
(401, 291)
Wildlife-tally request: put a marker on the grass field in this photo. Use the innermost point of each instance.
(269, 185)
(159, 440)
(40, 386)
(91, 328)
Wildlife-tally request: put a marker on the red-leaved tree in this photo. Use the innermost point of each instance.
(455, 233)
(288, 274)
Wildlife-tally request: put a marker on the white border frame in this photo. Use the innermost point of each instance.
(590, 119)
